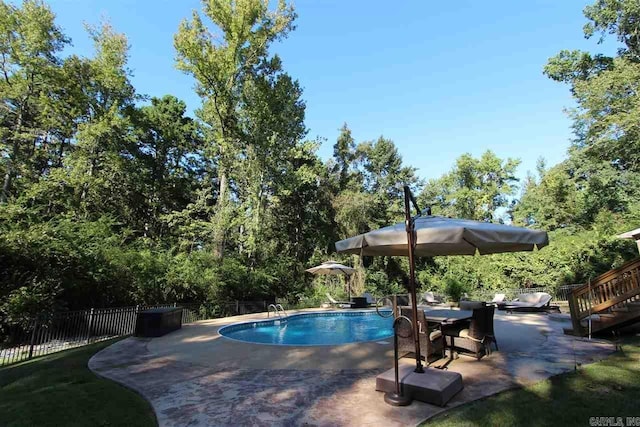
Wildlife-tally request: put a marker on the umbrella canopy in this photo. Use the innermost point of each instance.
(633, 234)
(436, 235)
(428, 235)
(332, 268)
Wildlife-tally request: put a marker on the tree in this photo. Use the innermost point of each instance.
(474, 189)
(604, 161)
(384, 177)
(29, 44)
(619, 17)
(343, 154)
(548, 201)
(606, 120)
(272, 122)
(222, 64)
(100, 172)
(168, 156)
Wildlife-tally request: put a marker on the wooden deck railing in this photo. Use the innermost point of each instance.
(609, 290)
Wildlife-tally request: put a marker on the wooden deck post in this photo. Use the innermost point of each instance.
(575, 320)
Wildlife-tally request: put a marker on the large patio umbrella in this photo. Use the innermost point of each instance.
(633, 234)
(332, 268)
(429, 235)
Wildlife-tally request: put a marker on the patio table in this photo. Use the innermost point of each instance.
(448, 317)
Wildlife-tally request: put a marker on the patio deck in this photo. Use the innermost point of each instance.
(196, 377)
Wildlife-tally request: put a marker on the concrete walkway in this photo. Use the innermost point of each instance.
(196, 377)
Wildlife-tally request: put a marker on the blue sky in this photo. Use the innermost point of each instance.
(438, 78)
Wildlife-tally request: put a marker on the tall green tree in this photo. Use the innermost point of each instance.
(103, 178)
(222, 64)
(474, 189)
(30, 43)
(344, 154)
(168, 153)
(604, 161)
(272, 122)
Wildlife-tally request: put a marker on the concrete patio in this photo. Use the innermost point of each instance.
(197, 377)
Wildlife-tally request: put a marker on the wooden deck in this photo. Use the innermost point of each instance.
(611, 301)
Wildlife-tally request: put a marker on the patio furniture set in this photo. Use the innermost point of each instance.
(456, 331)
(467, 331)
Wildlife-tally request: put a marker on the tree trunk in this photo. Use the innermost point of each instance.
(221, 226)
(6, 185)
(8, 176)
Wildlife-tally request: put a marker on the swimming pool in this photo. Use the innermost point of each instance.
(327, 328)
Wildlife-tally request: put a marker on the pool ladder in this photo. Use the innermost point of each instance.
(278, 309)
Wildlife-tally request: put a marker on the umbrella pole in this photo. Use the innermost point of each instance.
(410, 226)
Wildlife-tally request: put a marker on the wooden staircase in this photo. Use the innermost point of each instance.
(611, 300)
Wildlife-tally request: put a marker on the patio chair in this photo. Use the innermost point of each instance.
(533, 302)
(341, 304)
(470, 305)
(476, 336)
(431, 340)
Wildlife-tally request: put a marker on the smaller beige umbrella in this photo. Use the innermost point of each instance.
(633, 234)
(332, 268)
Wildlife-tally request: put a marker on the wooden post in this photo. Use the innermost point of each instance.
(575, 320)
(395, 306)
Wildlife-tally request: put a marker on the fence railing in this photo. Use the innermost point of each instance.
(30, 338)
(560, 293)
(611, 290)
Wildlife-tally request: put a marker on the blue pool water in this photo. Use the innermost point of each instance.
(314, 329)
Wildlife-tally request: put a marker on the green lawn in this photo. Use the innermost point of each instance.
(610, 388)
(59, 390)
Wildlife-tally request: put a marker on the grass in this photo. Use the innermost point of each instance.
(59, 390)
(609, 388)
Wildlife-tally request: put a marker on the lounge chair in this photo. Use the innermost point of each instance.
(498, 298)
(371, 300)
(533, 302)
(429, 298)
(431, 340)
(476, 336)
(341, 304)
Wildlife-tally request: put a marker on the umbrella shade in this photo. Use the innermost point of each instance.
(633, 234)
(436, 235)
(331, 268)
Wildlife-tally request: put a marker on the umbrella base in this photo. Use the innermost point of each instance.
(434, 386)
(395, 399)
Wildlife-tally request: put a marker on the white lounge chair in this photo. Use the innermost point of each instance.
(536, 301)
(499, 298)
(341, 304)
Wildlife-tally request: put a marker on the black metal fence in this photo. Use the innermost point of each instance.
(37, 337)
